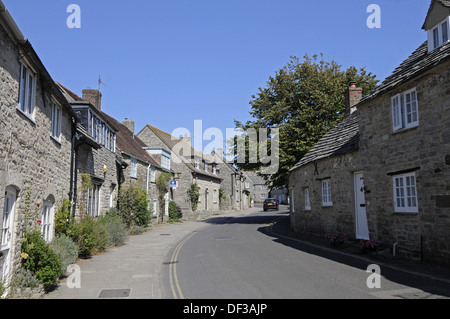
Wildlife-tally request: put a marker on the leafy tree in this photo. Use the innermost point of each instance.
(133, 206)
(194, 195)
(303, 100)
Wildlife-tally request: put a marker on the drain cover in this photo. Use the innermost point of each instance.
(115, 293)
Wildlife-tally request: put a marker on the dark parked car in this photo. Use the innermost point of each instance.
(271, 203)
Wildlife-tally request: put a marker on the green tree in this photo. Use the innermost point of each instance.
(303, 100)
(133, 205)
(194, 195)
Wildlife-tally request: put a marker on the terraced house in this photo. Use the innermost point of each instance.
(384, 172)
(36, 147)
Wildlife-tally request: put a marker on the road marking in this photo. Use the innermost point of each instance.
(173, 278)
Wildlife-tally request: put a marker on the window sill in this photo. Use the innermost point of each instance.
(402, 130)
(405, 213)
(57, 140)
(28, 116)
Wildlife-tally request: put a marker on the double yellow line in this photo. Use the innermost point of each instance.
(174, 284)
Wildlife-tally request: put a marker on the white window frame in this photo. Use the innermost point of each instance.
(405, 193)
(27, 86)
(327, 199)
(93, 200)
(439, 35)
(307, 199)
(206, 167)
(405, 110)
(214, 169)
(133, 167)
(47, 218)
(55, 130)
(197, 163)
(215, 196)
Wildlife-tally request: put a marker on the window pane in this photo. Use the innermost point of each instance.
(444, 28)
(23, 84)
(30, 95)
(436, 37)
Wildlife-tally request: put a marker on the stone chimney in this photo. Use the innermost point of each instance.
(353, 96)
(94, 97)
(129, 125)
(187, 139)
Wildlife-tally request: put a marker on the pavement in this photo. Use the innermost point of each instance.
(133, 270)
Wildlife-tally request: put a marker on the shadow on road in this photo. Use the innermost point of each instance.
(434, 281)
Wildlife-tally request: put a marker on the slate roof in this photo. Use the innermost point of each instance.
(341, 139)
(418, 62)
(130, 144)
(171, 141)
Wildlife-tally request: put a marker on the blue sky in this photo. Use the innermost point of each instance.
(168, 63)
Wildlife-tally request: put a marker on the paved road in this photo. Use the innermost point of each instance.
(237, 258)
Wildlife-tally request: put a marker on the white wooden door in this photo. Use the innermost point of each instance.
(6, 235)
(362, 229)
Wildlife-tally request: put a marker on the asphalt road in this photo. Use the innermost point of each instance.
(238, 258)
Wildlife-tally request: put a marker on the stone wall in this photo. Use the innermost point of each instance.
(426, 150)
(31, 161)
(319, 219)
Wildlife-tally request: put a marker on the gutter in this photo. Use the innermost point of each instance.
(14, 29)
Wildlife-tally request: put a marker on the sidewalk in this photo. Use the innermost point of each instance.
(116, 273)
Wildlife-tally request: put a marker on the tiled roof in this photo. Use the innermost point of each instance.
(171, 141)
(419, 61)
(129, 143)
(342, 139)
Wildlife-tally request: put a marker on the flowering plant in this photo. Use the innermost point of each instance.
(367, 245)
(337, 240)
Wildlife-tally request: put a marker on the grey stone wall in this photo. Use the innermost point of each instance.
(31, 161)
(324, 220)
(426, 148)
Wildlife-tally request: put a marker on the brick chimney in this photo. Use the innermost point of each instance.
(353, 96)
(94, 97)
(129, 125)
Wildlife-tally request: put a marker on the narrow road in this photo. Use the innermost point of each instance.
(238, 258)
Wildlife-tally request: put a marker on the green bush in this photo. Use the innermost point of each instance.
(38, 258)
(133, 206)
(63, 218)
(66, 249)
(116, 229)
(90, 235)
(173, 211)
(25, 279)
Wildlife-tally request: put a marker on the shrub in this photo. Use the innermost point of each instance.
(133, 206)
(63, 218)
(173, 211)
(116, 229)
(90, 236)
(25, 279)
(38, 258)
(194, 195)
(66, 249)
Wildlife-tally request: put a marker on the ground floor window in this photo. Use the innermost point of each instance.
(93, 200)
(405, 193)
(47, 221)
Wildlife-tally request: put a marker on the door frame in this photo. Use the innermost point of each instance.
(7, 250)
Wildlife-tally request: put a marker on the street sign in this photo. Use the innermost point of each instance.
(173, 184)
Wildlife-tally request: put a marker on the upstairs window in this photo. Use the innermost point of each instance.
(133, 167)
(27, 91)
(405, 111)
(438, 35)
(56, 121)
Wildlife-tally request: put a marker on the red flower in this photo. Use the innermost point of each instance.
(39, 222)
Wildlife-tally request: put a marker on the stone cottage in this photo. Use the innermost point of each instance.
(326, 185)
(96, 164)
(236, 184)
(405, 149)
(36, 125)
(141, 167)
(259, 190)
(189, 166)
